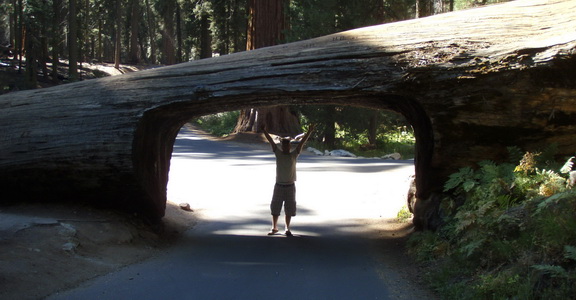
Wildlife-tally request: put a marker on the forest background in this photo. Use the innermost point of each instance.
(49, 42)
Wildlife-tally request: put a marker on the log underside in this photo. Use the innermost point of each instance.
(471, 83)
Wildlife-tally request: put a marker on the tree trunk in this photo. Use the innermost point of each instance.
(266, 24)
(118, 39)
(100, 47)
(134, 30)
(373, 128)
(266, 28)
(330, 130)
(109, 140)
(168, 51)
(56, 38)
(72, 41)
(178, 34)
(424, 8)
(13, 17)
(19, 49)
(31, 59)
(205, 37)
(151, 32)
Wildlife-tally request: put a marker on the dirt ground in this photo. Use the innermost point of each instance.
(45, 248)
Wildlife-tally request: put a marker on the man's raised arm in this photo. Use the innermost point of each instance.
(269, 138)
(305, 138)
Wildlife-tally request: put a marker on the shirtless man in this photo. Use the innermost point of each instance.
(285, 189)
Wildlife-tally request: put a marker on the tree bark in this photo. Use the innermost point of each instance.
(151, 32)
(178, 34)
(330, 130)
(266, 28)
(205, 37)
(266, 24)
(424, 8)
(109, 140)
(56, 38)
(373, 128)
(19, 49)
(72, 41)
(134, 30)
(118, 39)
(168, 51)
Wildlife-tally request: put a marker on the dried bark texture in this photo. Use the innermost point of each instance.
(471, 83)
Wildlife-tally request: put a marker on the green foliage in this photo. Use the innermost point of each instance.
(512, 238)
(403, 215)
(392, 133)
(220, 124)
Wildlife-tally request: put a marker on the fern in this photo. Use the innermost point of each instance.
(554, 199)
(552, 270)
(463, 179)
(568, 165)
(570, 252)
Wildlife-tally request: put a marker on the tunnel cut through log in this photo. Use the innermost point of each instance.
(158, 128)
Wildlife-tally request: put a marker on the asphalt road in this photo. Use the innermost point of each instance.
(228, 255)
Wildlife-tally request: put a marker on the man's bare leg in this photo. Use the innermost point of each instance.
(274, 225)
(288, 219)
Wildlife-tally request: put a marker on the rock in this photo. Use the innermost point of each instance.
(342, 153)
(315, 151)
(67, 230)
(395, 156)
(70, 246)
(185, 206)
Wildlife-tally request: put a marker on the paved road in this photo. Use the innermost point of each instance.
(228, 255)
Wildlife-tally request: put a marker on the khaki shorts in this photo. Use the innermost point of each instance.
(284, 194)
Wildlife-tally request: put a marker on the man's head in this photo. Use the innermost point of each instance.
(285, 142)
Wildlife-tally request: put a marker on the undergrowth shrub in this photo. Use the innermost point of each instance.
(220, 124)
(513, 237)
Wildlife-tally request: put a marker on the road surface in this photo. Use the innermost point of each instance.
(228, 255)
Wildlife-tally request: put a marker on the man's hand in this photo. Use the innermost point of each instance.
(268, 137)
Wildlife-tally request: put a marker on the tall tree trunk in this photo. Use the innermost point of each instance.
(266, 28)
(134, 29)
(330, 130)
(205, 37)
(151, 32)
(99, 50)
(169, 56)
(80, 38)
(31, 47)
(425, 8)
(56, 38)
(373, 128)
(238, 43)
(19, 46)
(12, 20)
(266, 24)
(118, 41)
(178, 34)
(86, 57)
(72, 41)
(43, 43)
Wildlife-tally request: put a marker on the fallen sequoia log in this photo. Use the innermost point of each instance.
(471, 83)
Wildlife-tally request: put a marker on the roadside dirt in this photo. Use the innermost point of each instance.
(45, 248)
